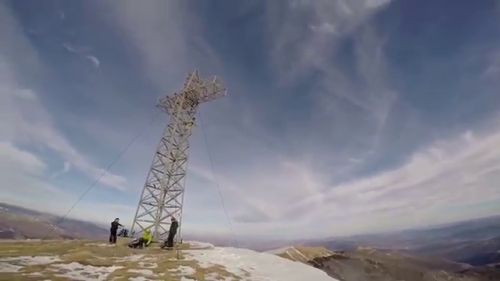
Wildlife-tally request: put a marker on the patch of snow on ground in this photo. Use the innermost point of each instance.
(199, 245)
(139, 278)
(216, 277)
(259, 266)
(147, 264)
(146, 272)
(132, 258)
(29, 260)
(183, 270)
(78, 271)
(9, 268)
(33, 274)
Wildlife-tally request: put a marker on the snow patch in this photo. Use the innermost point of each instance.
(78, 271)
(146, 272)
(139, 278)
(33, 274)
(216, 277)
(29, 260)
(193, 245)
(183, 270)
(148, 264)
(132, 258)
(9, 268)
(254, 266)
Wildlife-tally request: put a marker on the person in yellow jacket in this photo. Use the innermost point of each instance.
(146, 238)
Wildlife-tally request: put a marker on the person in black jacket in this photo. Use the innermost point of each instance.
(112, 231)
(171, 233)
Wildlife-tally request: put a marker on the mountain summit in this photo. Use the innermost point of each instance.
(86, 260)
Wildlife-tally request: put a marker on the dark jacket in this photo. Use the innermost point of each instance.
(114, 226)
(173, 227)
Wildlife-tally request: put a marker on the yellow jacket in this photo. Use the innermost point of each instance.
(147, 237)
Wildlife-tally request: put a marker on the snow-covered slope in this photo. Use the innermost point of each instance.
(85, 260)
(251, 265)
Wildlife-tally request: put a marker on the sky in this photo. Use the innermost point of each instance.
(342, 117)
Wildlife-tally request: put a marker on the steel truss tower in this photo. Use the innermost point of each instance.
(163, 193)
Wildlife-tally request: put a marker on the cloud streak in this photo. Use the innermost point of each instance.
(83, 52)
(459, 171)
(29, 122)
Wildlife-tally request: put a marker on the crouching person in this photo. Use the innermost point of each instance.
(146, 238)
(142, 242)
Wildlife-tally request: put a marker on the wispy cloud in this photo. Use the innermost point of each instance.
(493, 69)
(66, 167)
(159, 31)
(453, 172)
(21, 159)
(94, 60)
(82, 51)
(353, 94)
(22, 174)
(324, 27)
(29, 122)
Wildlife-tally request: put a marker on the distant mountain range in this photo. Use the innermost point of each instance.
(21, 223)
(475, 242)
(368, 264)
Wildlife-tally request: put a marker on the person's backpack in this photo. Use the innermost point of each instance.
(134, 243)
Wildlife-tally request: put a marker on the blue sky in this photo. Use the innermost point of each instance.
(343, 117)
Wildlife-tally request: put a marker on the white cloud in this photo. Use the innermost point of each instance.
(94, 60)
(20, 159)
(325, 27)
(26, 94)
(72, 49)
(66, 167)
(352, 97)
(30, 123)
(458, 173)
(82, 51)
(355, 160)
(159, 31)
(376, 3)
(22, 183)
(24, 118)
(21, 174)
(493, 69)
